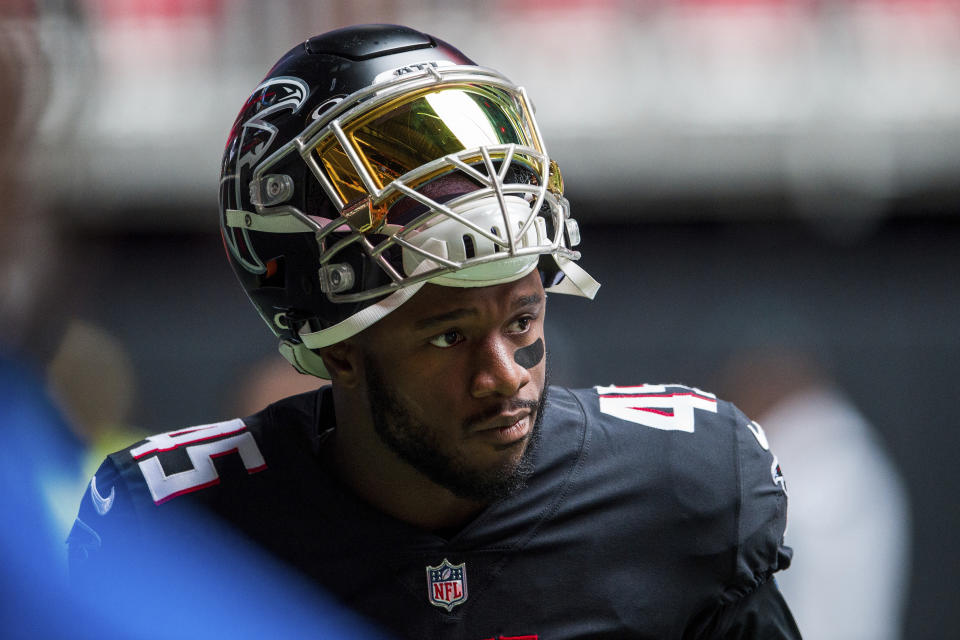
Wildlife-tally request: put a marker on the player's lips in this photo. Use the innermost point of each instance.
(507, 428)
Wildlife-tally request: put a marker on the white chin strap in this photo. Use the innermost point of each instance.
(450, 239)
(576, 281)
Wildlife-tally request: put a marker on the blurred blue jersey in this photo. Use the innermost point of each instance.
(249, 596)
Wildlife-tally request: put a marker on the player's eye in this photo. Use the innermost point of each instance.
(520, 325)
(447, 339)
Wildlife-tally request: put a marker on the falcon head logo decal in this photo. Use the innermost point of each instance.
(276, 94)
(251, 138)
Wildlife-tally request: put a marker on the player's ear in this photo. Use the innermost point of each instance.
(343, 362)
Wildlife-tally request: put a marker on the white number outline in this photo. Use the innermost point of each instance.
(202, 449)
(653, 405)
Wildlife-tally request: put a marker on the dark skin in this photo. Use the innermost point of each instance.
(450, 355)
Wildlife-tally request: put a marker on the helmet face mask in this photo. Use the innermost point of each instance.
(434, 171)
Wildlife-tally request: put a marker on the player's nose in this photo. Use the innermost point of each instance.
(496, 372)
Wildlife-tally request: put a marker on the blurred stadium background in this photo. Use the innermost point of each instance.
(751, 176)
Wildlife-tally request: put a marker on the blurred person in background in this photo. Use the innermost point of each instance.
(42, 445)
(391, 211)
(852, 548)
(93, 378)
(42, 457)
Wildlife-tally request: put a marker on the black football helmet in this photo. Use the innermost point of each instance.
(374, 159)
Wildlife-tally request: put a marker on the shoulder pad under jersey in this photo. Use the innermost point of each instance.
(713, 461)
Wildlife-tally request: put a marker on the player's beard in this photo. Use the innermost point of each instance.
(416, 443)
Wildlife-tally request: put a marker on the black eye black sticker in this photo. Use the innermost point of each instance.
(529, 356)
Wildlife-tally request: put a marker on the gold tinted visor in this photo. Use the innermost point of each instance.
(414, 129)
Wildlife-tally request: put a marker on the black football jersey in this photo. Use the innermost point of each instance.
(655, 511)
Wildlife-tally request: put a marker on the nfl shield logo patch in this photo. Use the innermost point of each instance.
(447, 584)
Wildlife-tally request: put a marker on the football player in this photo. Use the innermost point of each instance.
(392, 212)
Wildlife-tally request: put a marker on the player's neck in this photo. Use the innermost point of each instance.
(379, 477)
